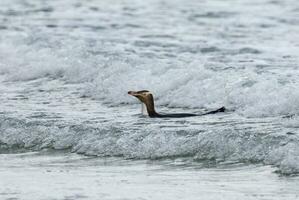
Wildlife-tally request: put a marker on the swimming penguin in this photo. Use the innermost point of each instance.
(147, 99)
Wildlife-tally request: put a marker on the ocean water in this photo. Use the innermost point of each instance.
(66, 67)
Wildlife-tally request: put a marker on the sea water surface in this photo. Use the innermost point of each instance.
(68, 129)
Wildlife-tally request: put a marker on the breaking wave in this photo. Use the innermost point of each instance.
(251, 92)
(227, 145)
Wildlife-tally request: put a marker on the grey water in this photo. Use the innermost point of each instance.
(68, 129)
(62, 175)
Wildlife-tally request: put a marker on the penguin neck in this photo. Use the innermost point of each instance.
(150, 106)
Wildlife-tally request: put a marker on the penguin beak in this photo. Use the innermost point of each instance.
(132, 93)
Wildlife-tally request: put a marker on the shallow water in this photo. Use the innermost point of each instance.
(53, 175)
(66, 67)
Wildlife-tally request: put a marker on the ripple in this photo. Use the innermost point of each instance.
(209, 49)
(249, 50)
(212, 15)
